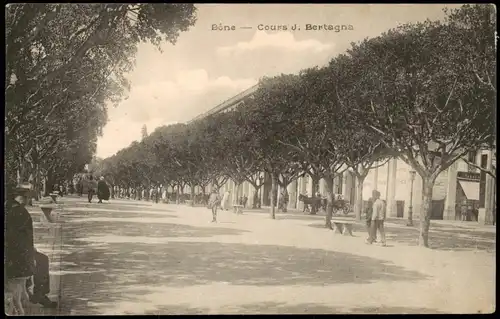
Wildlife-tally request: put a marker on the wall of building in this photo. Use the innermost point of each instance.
(392, 180)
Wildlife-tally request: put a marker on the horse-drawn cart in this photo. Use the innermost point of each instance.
(313, 204)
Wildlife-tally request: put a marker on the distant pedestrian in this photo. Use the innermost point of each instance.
(378, 218)
(225, 200)
(102, 190)
(475, 212)
(91, 188)
(464, 211)
(368, 216)
(213, 203)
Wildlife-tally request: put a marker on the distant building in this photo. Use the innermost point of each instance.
(459, 183)
(144, 131)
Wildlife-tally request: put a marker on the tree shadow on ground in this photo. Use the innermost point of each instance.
(450, 225)
(358, 228)
(317, 308)
(182, 309)
(132, 202)
(122, 266)
(299, 217)
(441, 237)
(73, 231)
(68, 215)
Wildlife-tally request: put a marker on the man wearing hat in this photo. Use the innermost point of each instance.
(21, 258)
(378, 218)
(92, 187)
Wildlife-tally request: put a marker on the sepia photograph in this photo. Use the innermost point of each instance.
(218, 159)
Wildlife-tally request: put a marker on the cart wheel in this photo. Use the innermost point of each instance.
(346, 209)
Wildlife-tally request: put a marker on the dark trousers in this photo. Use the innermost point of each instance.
(371, 236)
(90, 195)
(41, 277)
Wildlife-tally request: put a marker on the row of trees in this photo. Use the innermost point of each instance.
(422, 92)
(64, 65)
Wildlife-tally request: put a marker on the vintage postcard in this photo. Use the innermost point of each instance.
(180, 158)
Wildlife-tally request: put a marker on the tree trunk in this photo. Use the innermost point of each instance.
(192, 194)
(425, 212)
(285, 195)
(177, 195)
(273, 191)
(315, 183)
(23, 172)
(489, 204)
(358, 203)
(112, 190)
(49, 183)
(36, 186)
(236, 193)
(329, 206)
(256, 201)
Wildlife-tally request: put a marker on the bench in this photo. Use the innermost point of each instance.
(47, 209)
(342, 226)
(54, 196)
(238, 209)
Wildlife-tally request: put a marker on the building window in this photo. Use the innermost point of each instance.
(471, 157)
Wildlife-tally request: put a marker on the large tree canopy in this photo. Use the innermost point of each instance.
(422, 92)
(64, 65)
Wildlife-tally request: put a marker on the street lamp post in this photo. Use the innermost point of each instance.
(410, 209)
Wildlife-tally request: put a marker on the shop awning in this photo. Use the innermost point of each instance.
(471, 189)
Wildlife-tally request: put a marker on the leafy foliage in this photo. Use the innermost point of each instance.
(423, 92)
(64, 65)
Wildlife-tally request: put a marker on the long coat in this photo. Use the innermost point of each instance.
(225, 201)
(18, 241)
(102, 190)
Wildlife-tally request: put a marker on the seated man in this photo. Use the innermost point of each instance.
(18, 248)
(41, 281)
(22, 259)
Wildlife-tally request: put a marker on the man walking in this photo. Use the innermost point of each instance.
(368, 216)
(378, 218)
(91, 188)
(213, 203)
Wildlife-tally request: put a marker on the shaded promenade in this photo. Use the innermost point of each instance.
(129, 257)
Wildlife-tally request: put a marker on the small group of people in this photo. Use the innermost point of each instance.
(375, 217)
(24, 266)
(215, 201)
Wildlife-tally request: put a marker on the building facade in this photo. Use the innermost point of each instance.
(399, 186)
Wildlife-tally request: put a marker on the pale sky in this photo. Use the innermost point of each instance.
(206, 67)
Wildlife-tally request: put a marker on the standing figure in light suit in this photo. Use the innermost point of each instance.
(225, 200)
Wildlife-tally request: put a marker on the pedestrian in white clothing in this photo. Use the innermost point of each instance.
(377, 219)
(225, 200)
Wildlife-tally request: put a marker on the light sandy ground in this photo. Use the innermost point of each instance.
(251, 264)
